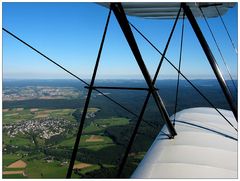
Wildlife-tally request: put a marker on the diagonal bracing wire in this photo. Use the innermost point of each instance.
(84, 112)
(69, 72)
(132, 138)
(126, 29)
(234, 47)
(179, 73)
(209, 102)
(179, 68)
(60, 66)
(109, 98)
(228, 70)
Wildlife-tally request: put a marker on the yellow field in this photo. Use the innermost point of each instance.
(93, 109)
(42, 116)
(17, 164)
(94, 138)
(20, 109)
(81, 165)
(13, 172)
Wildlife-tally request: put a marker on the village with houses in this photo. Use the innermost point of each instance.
(39, 92)
(39, 131)
(45, 127)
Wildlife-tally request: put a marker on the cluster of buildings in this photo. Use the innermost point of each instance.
(45, 127)
(38, 92)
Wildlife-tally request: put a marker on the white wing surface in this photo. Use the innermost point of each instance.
(205, 147)
(169, 10)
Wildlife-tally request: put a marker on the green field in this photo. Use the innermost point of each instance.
(42, 169)
(50, 158)
(92, 145)
(9, 158)
(17, 115)
(20, 114)
(12, 176)
(98, 125)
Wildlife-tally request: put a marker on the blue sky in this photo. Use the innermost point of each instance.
(70, 33)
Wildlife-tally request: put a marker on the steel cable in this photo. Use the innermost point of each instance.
(60, 66)
(226, 30)
(183, 76)
(220, 52)
(179, 68)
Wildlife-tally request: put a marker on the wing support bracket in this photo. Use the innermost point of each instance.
(84, 113)
(211, 59)
(123, 22)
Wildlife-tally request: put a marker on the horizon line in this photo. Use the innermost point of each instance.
(20, 79)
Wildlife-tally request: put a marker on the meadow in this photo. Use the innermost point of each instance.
(50, 158)
(106, 132)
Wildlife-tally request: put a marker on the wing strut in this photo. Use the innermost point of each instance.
(211, 59)
(226, 30)
(220, 52)
(84, 113)
(121, 17)
(123, 22)
(193, 86)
